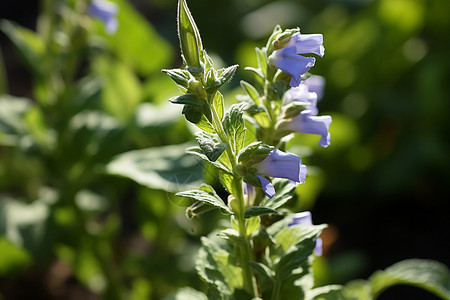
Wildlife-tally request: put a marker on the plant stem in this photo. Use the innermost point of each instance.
(245, 253)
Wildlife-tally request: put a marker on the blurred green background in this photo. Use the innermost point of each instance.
(383, 184)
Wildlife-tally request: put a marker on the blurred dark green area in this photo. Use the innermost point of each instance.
(382, 184)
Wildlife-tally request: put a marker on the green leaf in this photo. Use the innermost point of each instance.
(192, 100)
(262, 60)
(254, 153)
(197, 151)
(122, 91)
(211, 149)
(187, 293)
(234, 126)
(14, 258)
(181, 77)
(218, 104)
(297, 243)
(224, 76)
(190, 41)
(30, 46)
(135, 39)
(251, 91)
(253, 211)
(218, 267)
(426, 274)
(205, 194)
(227, 180)
(263, 269)
(285, 192)
(29, 225)
(328, 292)
(37, 127)
(12, 123)
(167, 168)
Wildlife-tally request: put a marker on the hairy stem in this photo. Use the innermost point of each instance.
(245, 253)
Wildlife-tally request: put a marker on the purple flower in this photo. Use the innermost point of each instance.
(308, 43)
(288, 60)
(107, 12)
(315, 84)
(282, 165)
(306, 122)
(301, 94)
(305, 219)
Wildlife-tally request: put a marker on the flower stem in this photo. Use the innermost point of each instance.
(245, 253)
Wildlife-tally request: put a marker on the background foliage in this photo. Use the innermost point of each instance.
(382, 185)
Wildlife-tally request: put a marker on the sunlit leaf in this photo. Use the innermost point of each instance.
(167, 168)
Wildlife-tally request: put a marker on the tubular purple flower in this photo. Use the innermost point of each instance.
(107, 12)
(305, 219)
(282, 165)
(301, 94)
(287, 60)
(308, 43)
(267, 186)
(315, 84)
(305, 122)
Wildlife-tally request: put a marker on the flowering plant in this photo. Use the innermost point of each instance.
(266, 252)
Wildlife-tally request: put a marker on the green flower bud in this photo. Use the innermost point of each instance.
(190, 41)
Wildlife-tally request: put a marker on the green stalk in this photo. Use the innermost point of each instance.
(245, 253)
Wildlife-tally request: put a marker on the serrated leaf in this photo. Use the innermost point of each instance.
(426, 274)
(253, 211)
(226, 178)
(167, 168)
(206, 194)
(197, 151)
(193, 102)
(211, 149)
(298, 243)
(180, 77)
(285, 193)
(251, 91)
(223, 77)
(233, 124)
(217, 266)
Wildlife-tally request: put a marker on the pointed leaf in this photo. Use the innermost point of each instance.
(211, 149)
(427, 274)
(206, 194)
(251, 91)
(285, 191)
(30, 46)
(233, 124)
(167, 168)
(197, 151)
(253, 211)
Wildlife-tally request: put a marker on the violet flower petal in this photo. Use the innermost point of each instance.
(282, 165)
(267, 186)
